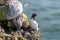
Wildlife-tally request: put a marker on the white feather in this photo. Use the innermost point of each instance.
(34, 24)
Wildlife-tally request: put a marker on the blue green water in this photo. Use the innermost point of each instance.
(48, 12)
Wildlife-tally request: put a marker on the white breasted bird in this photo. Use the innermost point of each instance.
(33, 23)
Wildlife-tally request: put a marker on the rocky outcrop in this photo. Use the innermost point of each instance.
(20, 35)
(1, 2)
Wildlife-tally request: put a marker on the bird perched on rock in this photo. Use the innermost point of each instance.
(33, 23)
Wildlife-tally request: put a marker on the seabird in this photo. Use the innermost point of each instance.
(33, 23)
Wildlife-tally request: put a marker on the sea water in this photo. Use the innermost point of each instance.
(48, 12)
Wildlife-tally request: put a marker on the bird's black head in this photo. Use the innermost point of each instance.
(33, 16)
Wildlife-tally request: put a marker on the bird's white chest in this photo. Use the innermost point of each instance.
(34, 24)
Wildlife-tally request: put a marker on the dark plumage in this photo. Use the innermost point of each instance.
(33, 16)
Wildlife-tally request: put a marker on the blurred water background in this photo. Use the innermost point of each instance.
(48, 12)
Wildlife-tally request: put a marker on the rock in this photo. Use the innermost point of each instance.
(21, 38)
(1, 39)
(1, 31)
(36, 35)
(21, 35)
(1, 2)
